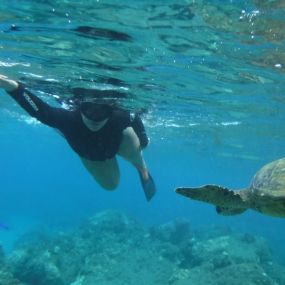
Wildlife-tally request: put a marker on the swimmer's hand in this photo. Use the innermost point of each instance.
(8, 84)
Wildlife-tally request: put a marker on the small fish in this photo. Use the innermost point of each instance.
(4, 227)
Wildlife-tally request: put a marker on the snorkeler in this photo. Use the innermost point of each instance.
(96, 132)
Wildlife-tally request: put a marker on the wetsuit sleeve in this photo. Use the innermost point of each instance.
(137, 125)
(38, 109)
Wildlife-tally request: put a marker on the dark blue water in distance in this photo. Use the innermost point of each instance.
(210, 75)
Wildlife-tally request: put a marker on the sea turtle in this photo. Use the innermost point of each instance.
(266, 193)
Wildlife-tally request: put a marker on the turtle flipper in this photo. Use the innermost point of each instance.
(229, 211)
(225, 199)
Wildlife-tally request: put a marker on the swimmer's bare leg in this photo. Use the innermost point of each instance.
(130, 150)
(106, 172)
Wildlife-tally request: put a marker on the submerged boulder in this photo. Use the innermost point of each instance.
(6, 276)
(235, 274)
(112, 248)
(174, 232)
(36, 267)
(231, 249)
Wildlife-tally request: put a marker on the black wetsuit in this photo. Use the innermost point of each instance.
(100, 145)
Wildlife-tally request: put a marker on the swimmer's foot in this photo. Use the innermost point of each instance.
(147, 184)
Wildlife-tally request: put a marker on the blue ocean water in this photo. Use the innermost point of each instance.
(210, 75)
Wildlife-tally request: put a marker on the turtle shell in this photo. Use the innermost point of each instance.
(270, 180)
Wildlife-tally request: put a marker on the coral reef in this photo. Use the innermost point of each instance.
(112, 248)
(6, 277)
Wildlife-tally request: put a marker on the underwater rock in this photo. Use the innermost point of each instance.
(112, 222)
(175, 241)
(212, 231)
(112, 248)
(246, 273)
(35, 267)
(273, 4)
(138, 266)
(174, 232)
(2, 255)
(121, 252)
(179, 275)
(276, 272)
(226, 250)
(6, 278)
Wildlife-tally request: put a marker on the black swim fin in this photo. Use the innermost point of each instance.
(148, 186)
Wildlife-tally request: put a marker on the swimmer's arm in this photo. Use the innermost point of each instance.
(37, 108)
(138, 126)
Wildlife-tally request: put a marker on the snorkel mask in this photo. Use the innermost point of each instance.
(95, 115)
(95, 112)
